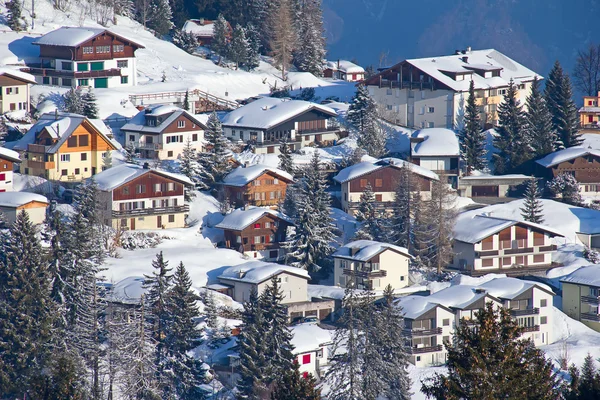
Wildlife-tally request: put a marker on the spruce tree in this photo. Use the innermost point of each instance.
(188, 166)
(14, 15)
(285, 157)
(90, 106)
(566, 187)
(160, 16)
(130, 154)
(220, 37)
(362, 114)
(539, 122)
(210, 308)
(309, 54)
(471, 137)
(238, 47)
(214, 161)
(492, 362)
(107, 160)
(292, 386)
(400, 224)
(73, 102)
(512, 141)
(186, 101)
(559, 98)
(532, 209)
(367, 213)
(585, 383)
(252, 60)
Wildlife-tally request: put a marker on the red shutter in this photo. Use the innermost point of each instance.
(256, 226)
(306, 359)
(2, 177)
(305, 375)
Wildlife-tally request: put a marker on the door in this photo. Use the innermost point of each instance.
(93, 170)
(132, 223)
(159, 221)
(590, 118)
(101, 83)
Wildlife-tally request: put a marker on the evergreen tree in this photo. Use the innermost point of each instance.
(220, 39)
(190, 167)
(180, 13)
(441, 217)
(512, 142)
(252, 60)
(14, 17)
(89, 106)
(539, 122)
(107, 160)
(214, 161)
(532, 209)
(160, 16)
(238, 48)
(130, 154)
(362, 114)
(283, 38)
(290, 203)
(63, 378)
(309, 54)
(353, 158)
(73, 102)
(566, 187)
(400, 223)
(292, 386)
(471, 137)
(371, 227)
(559, 98)
(585, 383)
(285, 157)
(491, 362)
(186, 101)
(210, 308)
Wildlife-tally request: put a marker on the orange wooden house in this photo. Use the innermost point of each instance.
(256, 185)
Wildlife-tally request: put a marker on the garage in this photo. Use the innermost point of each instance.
(485, 191)
(101, 83)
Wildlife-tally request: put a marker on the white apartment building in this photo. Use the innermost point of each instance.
(437, 149)
(14, 90)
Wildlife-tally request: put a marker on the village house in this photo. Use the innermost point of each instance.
(81, 56)
(162, 131)
(432, 92)
(493, 187)
(265, 122)
(134, 197)
(64, 147)
(12, 203)
(581, 296)
(256, 232)
(256, 185)
(383, 176)
(344, 70)
(484, 244)
(311, 349)
(437, 150)
(589, 114)
(367, 264)
(7, 159)
(203, 30)
(14, 90)
(581, 162)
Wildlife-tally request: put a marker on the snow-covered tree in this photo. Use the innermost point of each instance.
(283, 38)
(512, 141)
(210, 309)
(214, 161)
(220, 39)
(160, 16)
(107, 160)
(471, 137)
(309, 53)
(252, 60)
(238, 48)
(186, 101)
(130, 154)
(14, 15)
(559, 99)
(440, 216)
(539, 122)
(566, 187)
(532, 209)
(89, 106)
(362, 114)
(190, 167)
(370, 217)
(293, 386)
(73, 102)
(353, 158)
(285, 157)
(186, 41)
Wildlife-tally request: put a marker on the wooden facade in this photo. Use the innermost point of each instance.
(586, 169)
(77, 53)
(6, 165)
(148, 186)
(266, 233)
(266, 190)
(386, 180)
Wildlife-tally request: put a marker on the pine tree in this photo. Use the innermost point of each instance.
(532, 209)
(362, 114)
(283, 39)
(220, 37)
(14, 15)
(90, 106)
(252, 60)
(585, 383)
(353, 158)
(186, 101)
(160, 17)
(210, 308)
(491, 362)
(214, 161)
(559, 98)
(186, 41)
(130, 154)
(539, 122)
(440, 218)
(367, 213)
(566, 187)
(472, 139)
(285, 157)
(73, 102)
(512, 142)
(238, 48)
(189, 167)
(400, 223)
(292, 386)
(309, 54)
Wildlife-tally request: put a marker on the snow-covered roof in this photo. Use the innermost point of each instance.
(589, 276)
(570, 153)
(366, 167)
(458, 296)
(199, 27)
(268, 112)
(20, 75)
(436, 142)
(17, 199)
(495, 177)
(473, 229)
(345, 66)
(414, 306)
(71, 36)
(9, 154)
(256, 272)
(589, 109)
(309, 337)
(509, 288)
(364, 250)
(242, 175)
(138, 122)
(116, 176)
(239, 219)
(128, 290)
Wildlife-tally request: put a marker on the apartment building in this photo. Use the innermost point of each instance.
(14, 90)
(589, 114)
(437, 150)
(581, 296)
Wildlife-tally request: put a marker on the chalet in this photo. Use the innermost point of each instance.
(437, 150)
(493, 186)
(257, 185)
(583, 163)
(589, 114)
(432, 92)
(256, 232)
(162, 131)
(134, 197)
(581, 296)
(80, 56)
(484, 244)
(383, 176)
(202, 29)
(7, 160)
(12, 203)
(14, 90)
(344, 70)
(371, 265)
(64, 147)
(264, 123)
(311, 348)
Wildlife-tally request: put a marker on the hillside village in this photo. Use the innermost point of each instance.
(194, 211)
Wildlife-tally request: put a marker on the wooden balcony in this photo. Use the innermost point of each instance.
(528, 311)
(41, 164)
(486, 253)
(590, 317)
(551, 247)
(364, 274)
(522, 250)
(422, 332)
(140, 212)
(406, 84)
(593, 300)
(421, 350)
(37, 148)
(73, 74)
(150, 146)
(535, 328)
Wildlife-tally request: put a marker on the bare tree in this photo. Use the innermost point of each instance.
(284, 37)
(586, 75)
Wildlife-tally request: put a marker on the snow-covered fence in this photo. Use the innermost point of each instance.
(206, 101)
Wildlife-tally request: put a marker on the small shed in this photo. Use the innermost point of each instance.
(11, 203)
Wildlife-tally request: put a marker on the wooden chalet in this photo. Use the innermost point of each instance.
(256, 185)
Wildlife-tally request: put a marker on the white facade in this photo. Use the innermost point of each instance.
(6, 181)
(166, 151)
(127, 66)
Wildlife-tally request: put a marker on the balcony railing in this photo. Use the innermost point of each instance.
(36, 148)
(422, 332)
(593, 300)
(535, 328)
(590, 317)
(150, 146)
(486, 253)
(522, 250)
(40, 164)
(551, 247)
(590, 126)
(364, 274)
(421, 350)
(73, 74)
(527, 311)
(319, 130)
(150, 211)
(406, 84)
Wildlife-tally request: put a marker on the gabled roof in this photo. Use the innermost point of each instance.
(18, 75)
(414, 306)
(460, 296)
(366, 167)
(60, 126)
(240, 219)
(509, 288)
(435, 142)
(256, 272)
(241, 176)
(9, 155)
(568, 154)
(69, 36)
(198, 27)
(475, 229)
(267, 112)
(345, 66)
(17, 199)
(117, 176)
(309, 337)
(364, 250)
(589, 276)
(138, 122)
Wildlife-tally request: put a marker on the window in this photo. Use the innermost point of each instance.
(13, 106)
(55, 82)
(66, 65)
(82, 67)
(83, 156)
(171, 218)
(102, 49)
(421, 110)
(257, 226)
(2, 177)
(543, 302)
(64, 172)
(501, 92)
(378, 182)
(181, 124)
(72, 141)
(67, 82)
(82, 82)
(65, 157)
(194, 137)
(46, 80)
(402, 278)
(446, 322)
(363, 183)
(256, 239)
(543, 320)
(388, 107)
(256, 182)
(97, 66)
(88, 50)
(77, 171)
(430, 110)
(306, 359)
(378, 197)
(418, 358)
(124, 80)
(119, 48)
(170, 186)
(170, 153)
(238, 239)
(122, 64)
(83, 140)
(140, 189)
(430, 125)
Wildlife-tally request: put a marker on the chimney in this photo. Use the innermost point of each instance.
(56, 114)
(457, 52)
(246, 164)
(146, 165)
(338, 67)
(468, 49)
(241, 273)
(465, 59)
